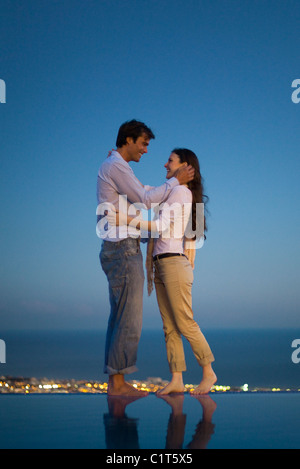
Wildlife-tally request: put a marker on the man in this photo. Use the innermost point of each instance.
(121, 257)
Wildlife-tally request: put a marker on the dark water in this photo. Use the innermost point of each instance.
(255, 357)
(226, 421)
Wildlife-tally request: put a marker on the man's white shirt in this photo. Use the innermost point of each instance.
(116, 178)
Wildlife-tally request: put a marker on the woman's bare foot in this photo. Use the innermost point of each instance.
(208, 380)
(171, 388)
(208, 405)
(176, 385)
(117, 386)
(174, 400)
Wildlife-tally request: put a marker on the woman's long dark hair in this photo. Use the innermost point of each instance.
(196, 185)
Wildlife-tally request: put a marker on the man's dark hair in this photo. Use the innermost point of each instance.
(133, 129)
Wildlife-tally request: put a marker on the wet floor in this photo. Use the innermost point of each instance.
(219, 420)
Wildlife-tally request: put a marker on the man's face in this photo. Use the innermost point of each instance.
(136, 149)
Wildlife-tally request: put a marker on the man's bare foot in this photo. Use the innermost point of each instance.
(117, 404)
(209, 379)
(117, 386)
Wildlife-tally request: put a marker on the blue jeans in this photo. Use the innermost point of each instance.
(122, 263)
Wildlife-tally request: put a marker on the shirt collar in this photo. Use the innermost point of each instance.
(117, 154)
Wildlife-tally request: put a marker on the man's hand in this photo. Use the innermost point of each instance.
(185, 174)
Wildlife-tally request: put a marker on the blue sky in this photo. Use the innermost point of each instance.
(213, 76)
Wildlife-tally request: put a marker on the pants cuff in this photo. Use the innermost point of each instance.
(125, 371)
(206, 360)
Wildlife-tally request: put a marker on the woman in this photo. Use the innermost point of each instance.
(173, 276)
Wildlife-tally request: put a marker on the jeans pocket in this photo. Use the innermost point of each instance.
(133, 250)
(115, 269)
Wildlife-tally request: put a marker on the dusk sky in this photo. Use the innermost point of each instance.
(214, 76)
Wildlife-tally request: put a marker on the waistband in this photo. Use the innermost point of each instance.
(168, 254)
(122, 241)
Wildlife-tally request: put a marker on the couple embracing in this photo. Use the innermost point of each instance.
(170, 256)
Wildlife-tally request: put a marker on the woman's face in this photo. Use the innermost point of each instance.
(172, 165)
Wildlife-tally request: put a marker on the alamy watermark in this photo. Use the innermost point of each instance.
(2, 351)
(296, 353)
(296, 94)
(2, 92)
(172, 221)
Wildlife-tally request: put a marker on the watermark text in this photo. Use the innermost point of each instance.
(296, 353)
(168, 221)
(2, 351)
(2, 92)
(296, 94)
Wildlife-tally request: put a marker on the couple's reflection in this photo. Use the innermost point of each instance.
(121, 431)
(177, 422)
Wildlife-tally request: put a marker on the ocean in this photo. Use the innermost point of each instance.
(257, 357)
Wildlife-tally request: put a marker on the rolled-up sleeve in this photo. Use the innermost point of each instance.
(126, 183)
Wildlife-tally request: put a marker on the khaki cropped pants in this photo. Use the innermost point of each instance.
(173, 283)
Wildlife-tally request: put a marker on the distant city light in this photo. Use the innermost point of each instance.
(152, 385)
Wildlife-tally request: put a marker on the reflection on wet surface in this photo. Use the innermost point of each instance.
(176, 422)
(121, 431)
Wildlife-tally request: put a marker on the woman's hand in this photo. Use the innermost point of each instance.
(190, 251)
(115, 218)
(110, 152)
